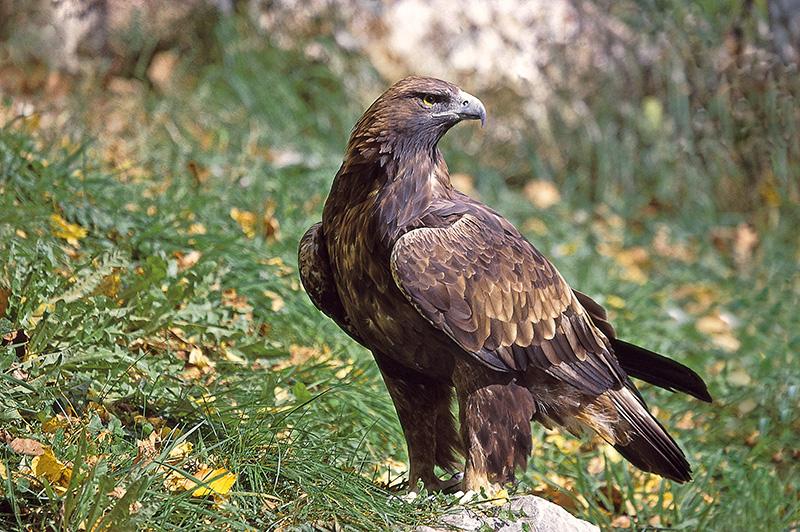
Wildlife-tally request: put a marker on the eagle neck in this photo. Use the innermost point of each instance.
(418, 179)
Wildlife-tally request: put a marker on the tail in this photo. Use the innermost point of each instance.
(641, 439)
(659, 370)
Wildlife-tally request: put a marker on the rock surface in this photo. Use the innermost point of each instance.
(521, 513)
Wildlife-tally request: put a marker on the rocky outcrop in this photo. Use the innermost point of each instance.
(520, 514)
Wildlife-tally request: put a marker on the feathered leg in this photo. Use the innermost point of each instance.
(495, 415)
(423, 407)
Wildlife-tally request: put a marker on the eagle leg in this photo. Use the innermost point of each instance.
(423, 407)
(495, 414)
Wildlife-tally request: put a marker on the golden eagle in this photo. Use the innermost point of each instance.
(450, 297)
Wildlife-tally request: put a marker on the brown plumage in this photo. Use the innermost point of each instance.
(449, 296)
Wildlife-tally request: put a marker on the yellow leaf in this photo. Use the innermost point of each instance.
(739, 377)
(615, 301)
(277, 302)
(653, 112)
(181, 451)
(500, 498)
(197, 229)
(198, 359)
(246, 220)
(110, 285)
(47, 466)
(543, 194)
(219, 482)
(68, 231)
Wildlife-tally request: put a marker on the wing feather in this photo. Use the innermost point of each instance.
(498, 298)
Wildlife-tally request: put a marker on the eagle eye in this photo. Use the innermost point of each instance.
(428, 101)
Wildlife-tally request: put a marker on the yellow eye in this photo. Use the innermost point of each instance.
(427, 101)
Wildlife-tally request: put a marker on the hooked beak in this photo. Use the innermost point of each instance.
(470, 108)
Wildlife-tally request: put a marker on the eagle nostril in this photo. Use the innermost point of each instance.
(465, 103)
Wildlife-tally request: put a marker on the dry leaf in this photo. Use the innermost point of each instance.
(272, 229)
(197, 229)
(276, 301)
(218, 482)
(161, 68)
(110, 285)
(47, 466)
(246, 220)
(543, 194)
(500, 498)
(198, 359)
(615, 301)
(465, 183)
(27, 447)
(117, 493)
(5, 293)
(666, 247)
(744, 243)
(180, 451)
(719, 327)
(68, 231)
(147, 450)
(186, 261)
(621, 521)
(536, 226)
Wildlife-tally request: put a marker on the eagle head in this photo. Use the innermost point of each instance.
(414, 114)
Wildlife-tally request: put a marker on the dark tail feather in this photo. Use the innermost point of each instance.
(659, 370)
(649, 446)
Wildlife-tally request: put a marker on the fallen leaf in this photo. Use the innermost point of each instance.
(186, 261)
(299, 355)
(110, 285)
(218, 482)
(162, 66)
(665, 246)
(117, 493)
(198, 359)
(536, 226)
(197, 229)
(276, 301)
(719, 327)
(501, 497)
(543, 194)
(272, 228)
(464, 182)
(597, 464)
(27, 447)
(744, 243)
(147, 449)
(70, 232)
(621, 521)
(180, 451)
(5, 293)
(48, 467)
(615, 301)
(246, 220)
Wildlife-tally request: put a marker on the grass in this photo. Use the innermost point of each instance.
(153, 300)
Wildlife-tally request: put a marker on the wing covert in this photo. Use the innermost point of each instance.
(498, 298)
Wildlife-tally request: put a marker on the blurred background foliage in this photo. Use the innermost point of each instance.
(160, 160)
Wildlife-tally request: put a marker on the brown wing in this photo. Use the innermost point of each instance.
(317, 279)
(597, 313)
(497, 297)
